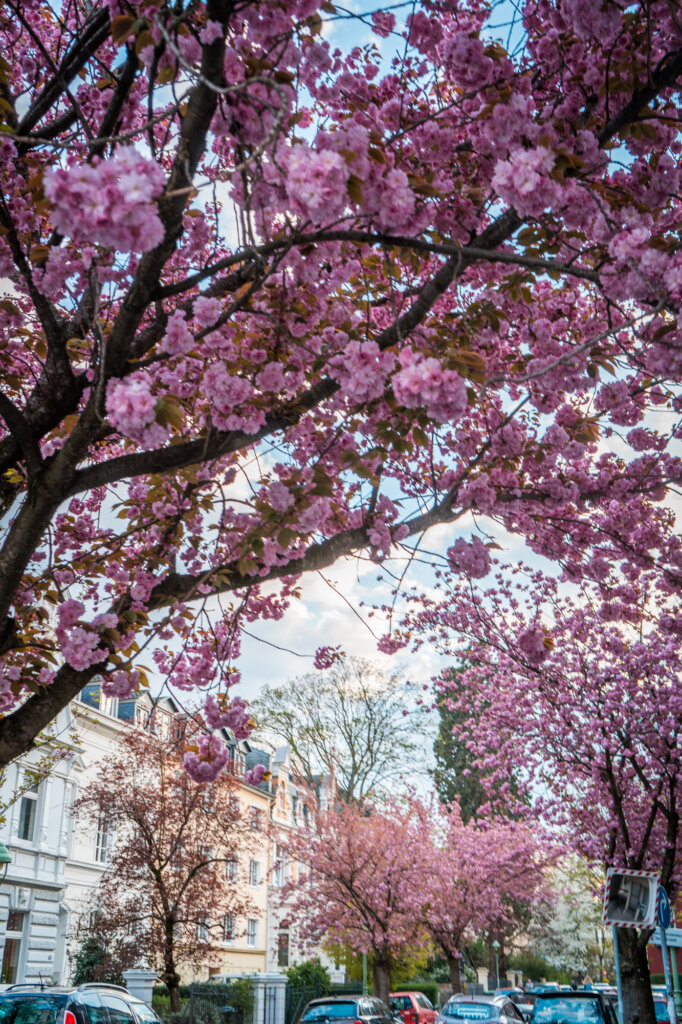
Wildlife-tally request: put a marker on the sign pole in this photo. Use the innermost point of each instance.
(668, 978)
(619, 983)
(676, 983)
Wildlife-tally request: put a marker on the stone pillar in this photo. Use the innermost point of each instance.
(140, 983)
(269, 993)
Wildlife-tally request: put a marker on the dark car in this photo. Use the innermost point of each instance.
(360, 1009)
(479, 1008)
(586, 1007)
(85, 1004)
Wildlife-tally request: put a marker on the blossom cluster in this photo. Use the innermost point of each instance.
(109, 202)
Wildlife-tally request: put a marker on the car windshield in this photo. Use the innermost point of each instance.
(567, 1011)
(470, 1011)
(31, 1009)
(328, 1011)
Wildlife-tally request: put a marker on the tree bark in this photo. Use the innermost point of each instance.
(381, 973)
(638, 1003)
(170, 975)
(455, 973)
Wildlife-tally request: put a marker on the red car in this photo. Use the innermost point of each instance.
(413, 1007)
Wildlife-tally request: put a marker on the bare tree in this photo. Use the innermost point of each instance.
(349, 721)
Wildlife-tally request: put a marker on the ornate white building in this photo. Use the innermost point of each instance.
(57, 859)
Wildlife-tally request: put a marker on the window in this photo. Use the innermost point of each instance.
(203, 923)
(231, 869)
(33, 1009)
(91, 695)
(256, 819)
(13, 936)
(252, 931)
(229, 929)
(119, 1011)
(95, 1011)
(278, 868)
(283, 948)
(254, 872)
(102, 842)
(126, 710)
(27, 813)
(143, 1012)
(206, 852)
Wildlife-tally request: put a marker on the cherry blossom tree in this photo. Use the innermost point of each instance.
(578, 696)
(475, 879)
(359, 882)
(171, 890)
(269, 302)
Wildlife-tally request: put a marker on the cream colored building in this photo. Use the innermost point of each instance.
(240, 945)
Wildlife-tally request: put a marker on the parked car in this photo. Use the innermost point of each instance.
(584, 1007)
(413, 1007)
(546, 986)
(86, 1004)
(525, 1003)
(358, 1009)
(479, 1008)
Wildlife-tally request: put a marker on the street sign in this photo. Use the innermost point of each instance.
(663, 916)
(673, 935)
(631, 898)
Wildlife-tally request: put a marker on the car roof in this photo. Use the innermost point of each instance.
(483, 998)
(37, 990)
(352, 997)
(590, 993)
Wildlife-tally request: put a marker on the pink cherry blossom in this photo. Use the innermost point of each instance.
(110, 202)
(470, 558)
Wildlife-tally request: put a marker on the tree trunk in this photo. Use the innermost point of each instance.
(171, 978)
(381, 974)
(454, 963)
(173, 986)
(638, 1003)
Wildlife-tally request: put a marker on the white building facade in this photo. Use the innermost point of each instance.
(57, 860)
(292, 806)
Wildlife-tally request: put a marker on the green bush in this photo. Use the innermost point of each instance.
(535, 968)
(93, 962)
(310, 974)
(428, 988)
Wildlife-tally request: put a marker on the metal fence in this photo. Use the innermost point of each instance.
(295, 1000)
(257, 1004)
(219, 1004)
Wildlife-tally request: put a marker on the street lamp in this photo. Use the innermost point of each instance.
(496, 948)
(5, 861)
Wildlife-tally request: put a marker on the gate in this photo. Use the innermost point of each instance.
(219, 1004)
(295, 1000)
